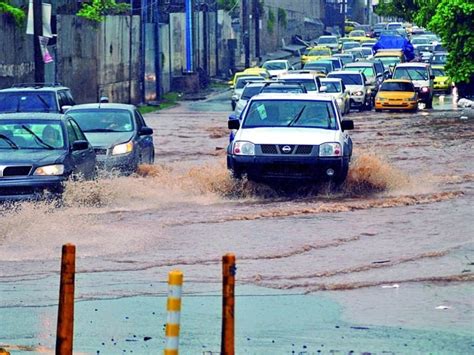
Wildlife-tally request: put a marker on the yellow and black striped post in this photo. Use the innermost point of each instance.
(175, 288)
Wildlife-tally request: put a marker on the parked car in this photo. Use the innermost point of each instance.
(421, 76)
(39, 152)
(290, 137)
(356, 83)
(396, 95)
(36, 98)
(118, 133)
(336, 88)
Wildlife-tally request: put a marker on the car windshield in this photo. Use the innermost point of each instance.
(28, 101)
(103, 120)
(332, 86)
(408, 73)
(438, 72)
(283, 88)
(275, 66)
(357, 33)
(250, 91)
(367, 71)
(309, 84)
(346, 58)
(389, 61)
(348, 79)
(326, 65)
(392, 26)
(367, 50)
(315, 52)
(31, 134)
(327, 40)
(349, 45)
(423, 40)
(391, 86)
(242, 81)
(439, 58)
(290, 113)
(336, 63)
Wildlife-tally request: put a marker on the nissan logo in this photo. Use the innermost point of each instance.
(286, 149)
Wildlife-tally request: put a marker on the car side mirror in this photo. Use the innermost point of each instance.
(347, 125)
(80, 145)
(233, 116)
(323, 88)
(233, 124)
(145, 131)
(64, 108)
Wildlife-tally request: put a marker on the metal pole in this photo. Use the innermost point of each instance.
(142, 49)
(189, 36)
(175, 286)
(205, 39)
(228, 304)
(37, 32)
(65, 328)
(157, 52)
(256, 14)
(217, 37)
(245, 31)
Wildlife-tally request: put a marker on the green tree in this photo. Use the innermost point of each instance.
(100, 8)
(17, 14)
(405, 9)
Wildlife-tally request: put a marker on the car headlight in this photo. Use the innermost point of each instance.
(358, 93)
(123, 148)
(425, 89)
(369, 91)
(244, 148)
(330, 150)
(50, 170)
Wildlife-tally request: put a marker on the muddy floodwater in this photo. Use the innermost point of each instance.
(384, 265)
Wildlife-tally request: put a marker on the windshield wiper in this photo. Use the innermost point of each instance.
(43, 101)
(9, 141)
(297, 117)
(49, 146)
(101, 130)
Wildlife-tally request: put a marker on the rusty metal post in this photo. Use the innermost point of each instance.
(65, 330)
(228, 304)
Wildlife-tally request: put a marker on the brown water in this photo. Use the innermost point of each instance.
(404, 215)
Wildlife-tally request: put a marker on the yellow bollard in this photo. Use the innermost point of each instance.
(228, 304)
(65, 329)
(175, 287)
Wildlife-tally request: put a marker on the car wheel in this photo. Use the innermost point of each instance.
(339, 180)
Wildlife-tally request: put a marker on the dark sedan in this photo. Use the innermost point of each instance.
(118, 133)
(38, 152)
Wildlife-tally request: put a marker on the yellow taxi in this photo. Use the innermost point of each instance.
(358, 36)
(349, 25)
(315, 53)
(249, 72)
(441, 82)
(396, 95)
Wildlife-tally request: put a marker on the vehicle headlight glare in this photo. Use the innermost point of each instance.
(425, 89)
(330, 150)
(123, 148)
(244, 148)
(50, 170)
(358, 93)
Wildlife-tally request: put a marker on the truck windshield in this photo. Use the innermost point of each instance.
(410, 73)
(26, 101)
(290, 113)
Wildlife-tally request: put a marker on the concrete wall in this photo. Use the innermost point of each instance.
(99, 59)
(16, 58)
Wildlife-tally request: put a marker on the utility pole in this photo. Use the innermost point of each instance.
(245, 31)
(37, 32)
(157, 52)
(256, 16)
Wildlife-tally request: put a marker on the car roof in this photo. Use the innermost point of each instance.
(342, 72)
(34, 88)
(397, 81)
(292, 96)
(309, 75)
(32, 115)
(276, 61)
(331, 80)
(412, 64)
(89, 106)
(359, 64)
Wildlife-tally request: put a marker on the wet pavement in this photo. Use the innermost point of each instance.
(384, 265)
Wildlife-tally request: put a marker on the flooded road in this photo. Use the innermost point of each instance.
(360, 269)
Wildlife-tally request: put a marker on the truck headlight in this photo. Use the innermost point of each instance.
(330, 150)
(123, 148)
(50, 170)
(244, 148)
